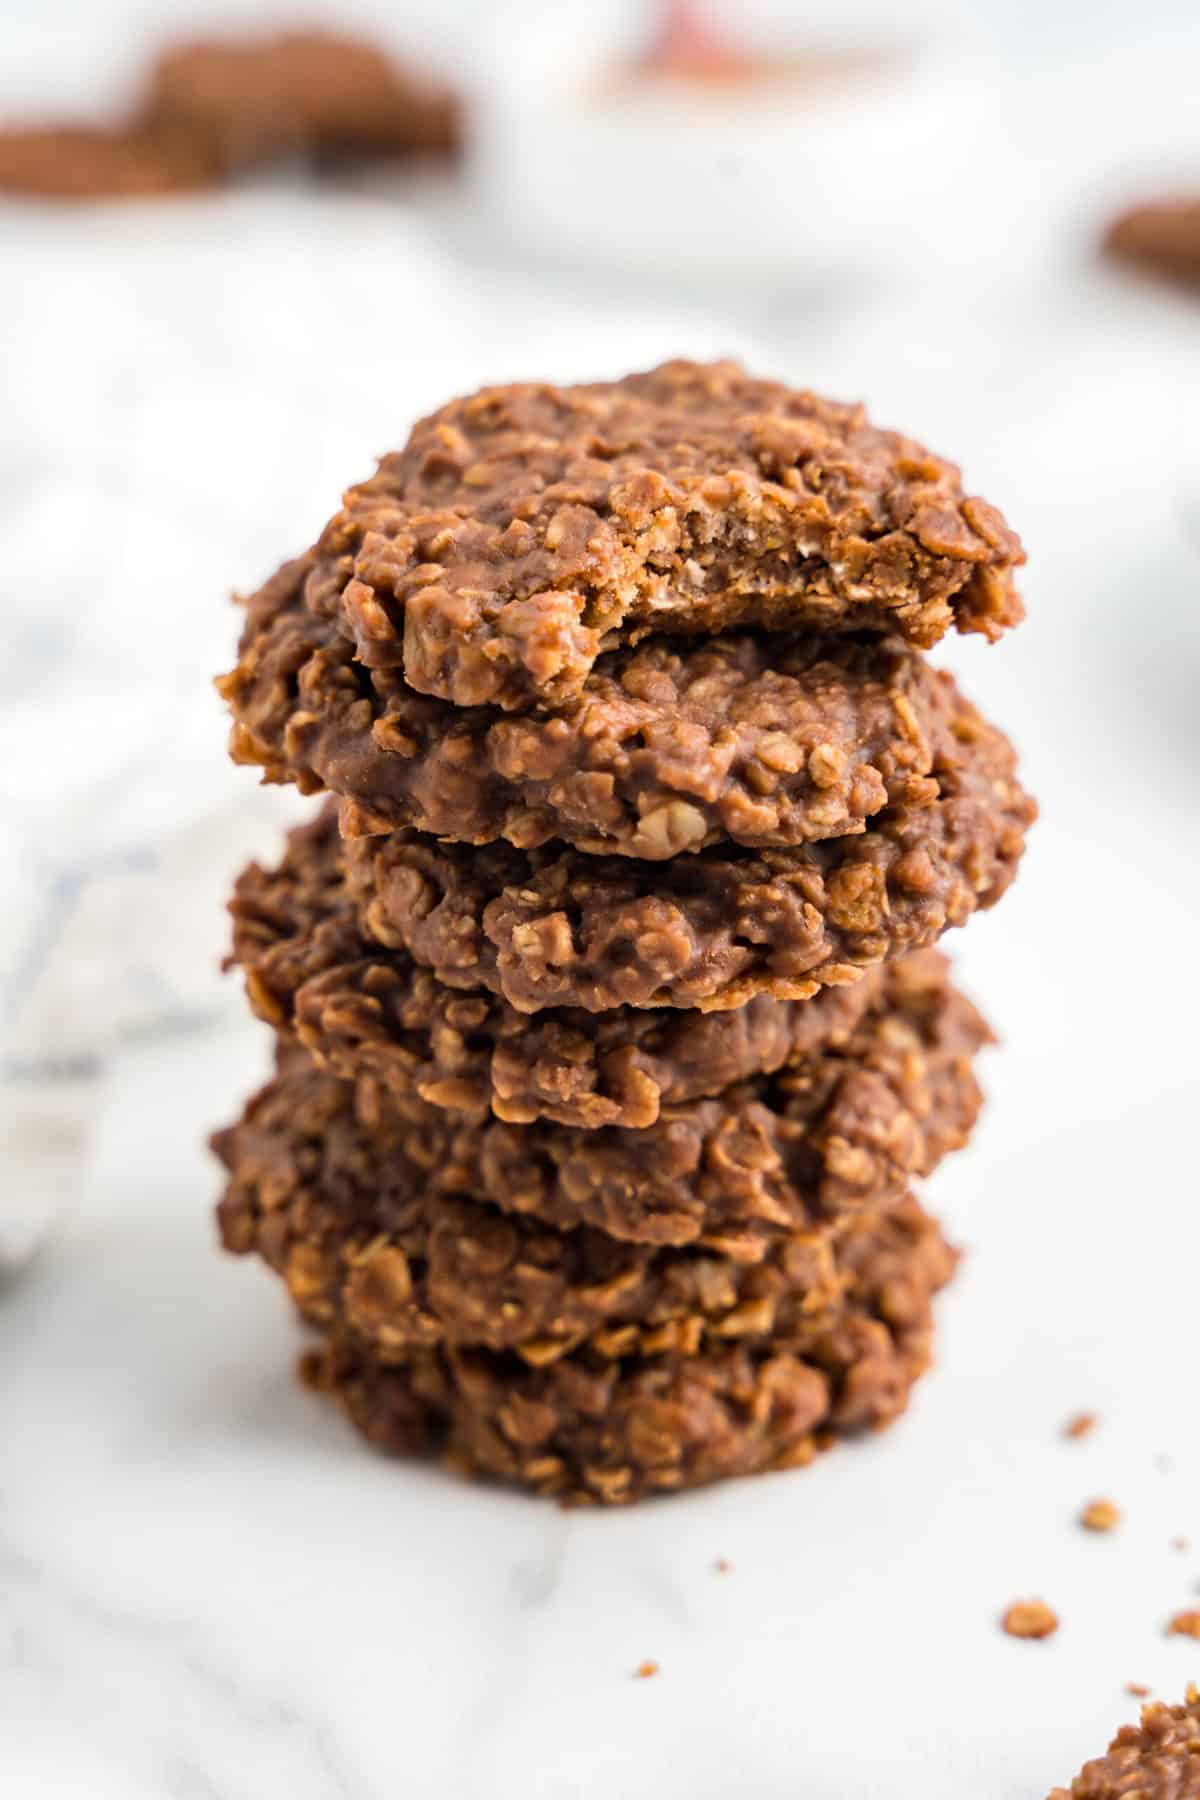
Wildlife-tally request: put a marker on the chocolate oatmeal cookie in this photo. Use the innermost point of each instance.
(590, 1426)
(524, 530)
(839, 1131)
(246, 100)
(1162, 236)
(403, 1266)
(554, 927)
(361, 1008)
(673, 745)
(1159, 1759)
(425, 1268)
(82, 162)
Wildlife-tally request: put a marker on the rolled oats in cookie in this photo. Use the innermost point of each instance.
(841, 1130)
(612, 1429)
(360, 1008)
(1157, 1759)
(672, 745)
(404, 1264)
(524, 530)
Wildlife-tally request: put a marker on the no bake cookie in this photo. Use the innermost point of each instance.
(841, 1130)
(402, 1266)
(554, 927)
(1158, 1759)
(608, 1429)
(359, 1007)
(524, 530)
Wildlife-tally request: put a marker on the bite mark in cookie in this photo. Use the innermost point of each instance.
(524, 530)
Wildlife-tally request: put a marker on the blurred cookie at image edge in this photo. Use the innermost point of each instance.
(1161, 237)
(90, 162)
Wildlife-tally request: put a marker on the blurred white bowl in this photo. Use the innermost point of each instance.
(831, 161)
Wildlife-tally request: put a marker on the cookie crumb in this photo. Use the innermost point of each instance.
(1137, 1689)
(1030, 1619)
(1079, 1424)
(645, 1669)
(722, 1565)
(1100, 1515)
(1185, 1624)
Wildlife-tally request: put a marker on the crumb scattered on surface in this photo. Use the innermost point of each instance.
(1185, 1624)
(1137, 1689)
(1100, 1515)
(645, 1669)
(723, 1565)
(1079, 1425)
(1030, 1619)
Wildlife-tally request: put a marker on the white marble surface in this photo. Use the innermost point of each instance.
(207, 1588)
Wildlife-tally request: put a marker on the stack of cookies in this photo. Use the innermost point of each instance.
(611, 1036)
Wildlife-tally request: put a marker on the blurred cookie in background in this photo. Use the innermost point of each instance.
(212, 108)
(251, 99)
(1161, 237)
(90, 162)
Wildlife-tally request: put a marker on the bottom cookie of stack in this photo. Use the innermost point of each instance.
(602, 1427)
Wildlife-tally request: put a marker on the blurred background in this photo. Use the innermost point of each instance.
(221, 297)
